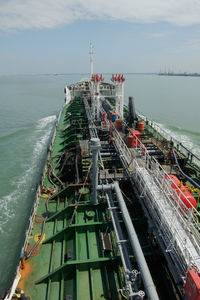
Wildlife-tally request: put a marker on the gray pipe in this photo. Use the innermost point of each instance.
(122, 248)
(146, 276)
(145, 273)
(95, 145)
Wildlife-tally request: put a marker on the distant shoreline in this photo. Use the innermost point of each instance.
(106, 73)
(80, 73)
(180, 74)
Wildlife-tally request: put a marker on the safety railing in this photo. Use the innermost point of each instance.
(125, 153)
(176, 223)
(166, 135)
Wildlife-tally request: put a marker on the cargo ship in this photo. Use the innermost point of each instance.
(116, 214)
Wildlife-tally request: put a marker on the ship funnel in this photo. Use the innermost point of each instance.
(95, 146)
(132, 114)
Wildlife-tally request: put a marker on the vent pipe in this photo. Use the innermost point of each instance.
(95, 146)
(137, 250)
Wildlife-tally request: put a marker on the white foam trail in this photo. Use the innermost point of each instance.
(6, 211)
(42, 123)
(41, 142)
(23, 185)
(182, 138)
(186, 140)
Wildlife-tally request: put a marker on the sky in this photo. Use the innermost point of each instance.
(48, 36)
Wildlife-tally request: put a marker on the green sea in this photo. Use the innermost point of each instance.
(29, 106)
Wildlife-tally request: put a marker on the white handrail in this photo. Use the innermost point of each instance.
(176, 223)
(168, 137)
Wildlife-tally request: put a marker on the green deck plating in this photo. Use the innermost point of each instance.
(73, 253)
(78, 258)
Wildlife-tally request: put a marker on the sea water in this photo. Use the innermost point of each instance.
(29, 106)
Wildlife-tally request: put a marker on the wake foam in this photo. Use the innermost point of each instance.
(42, 123)
(189, 139)
(6, 211)
(42, 141)
(23, 186)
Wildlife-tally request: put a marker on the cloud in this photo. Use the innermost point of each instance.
(25, 14)
(193, 44)
(159, 34)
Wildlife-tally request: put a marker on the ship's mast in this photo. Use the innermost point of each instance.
(92, 82)
(91, 60)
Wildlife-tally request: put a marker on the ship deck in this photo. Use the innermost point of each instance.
(73, 252)
(77, 257)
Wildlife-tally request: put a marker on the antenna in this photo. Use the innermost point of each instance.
(91, 60)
